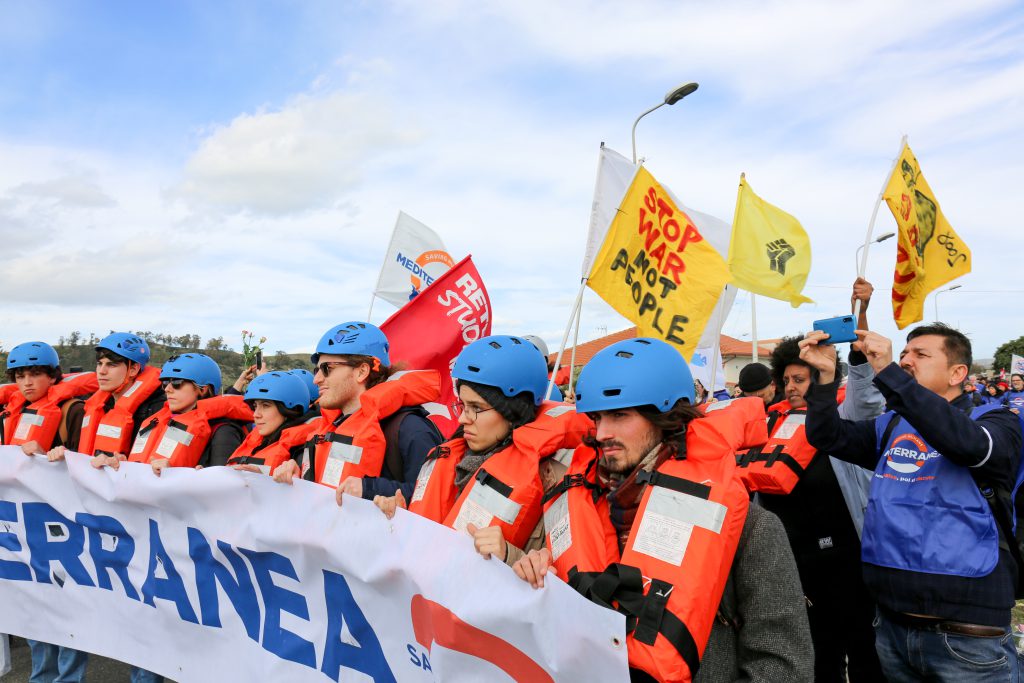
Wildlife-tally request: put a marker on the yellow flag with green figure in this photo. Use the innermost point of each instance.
(770, 253)
(928, 252)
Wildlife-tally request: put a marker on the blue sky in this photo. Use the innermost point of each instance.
(202, 168)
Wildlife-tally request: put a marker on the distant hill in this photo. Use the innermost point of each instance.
(81, 354)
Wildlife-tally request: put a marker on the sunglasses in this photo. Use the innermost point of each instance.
(175, 383)
(325, 367)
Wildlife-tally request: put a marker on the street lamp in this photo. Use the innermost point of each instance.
(874, 241)
(671, 98)
(947, 289)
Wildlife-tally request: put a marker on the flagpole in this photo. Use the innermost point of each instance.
(565, 335)
(575, 343)
(753, 324)
(717, 347)
(871, 226)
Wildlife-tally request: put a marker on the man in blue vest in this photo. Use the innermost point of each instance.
(933, 551)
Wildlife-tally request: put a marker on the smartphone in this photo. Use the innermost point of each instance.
(259, 360)
(839, 329)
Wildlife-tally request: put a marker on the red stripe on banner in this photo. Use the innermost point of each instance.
(435, 623)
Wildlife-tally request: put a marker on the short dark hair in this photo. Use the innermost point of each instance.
(672, 423)
(788, 353)
(955, 343)
(112, 357)
(55, 373)
(518, 410)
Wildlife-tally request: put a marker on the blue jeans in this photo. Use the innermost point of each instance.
(143, 676)
(56, 664)
(912, 654)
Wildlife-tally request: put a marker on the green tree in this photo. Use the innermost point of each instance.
(1004, 353)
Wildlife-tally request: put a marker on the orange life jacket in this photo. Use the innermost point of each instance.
(40, 421)
(268, 458)
(111, 432)
(577, 521)
(776, 467)
(183, 438)
(506, 491)
(354, 446)
(672, 572)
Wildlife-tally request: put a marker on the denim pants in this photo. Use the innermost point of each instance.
(913, 654)
(56, 664)
(143, 676)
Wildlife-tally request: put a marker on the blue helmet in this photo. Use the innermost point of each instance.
(307, 377)
(279, 386)
(195, 367)
(126, 345)
(633, 373)
(510, 364)
(32, 353)
(354, 339)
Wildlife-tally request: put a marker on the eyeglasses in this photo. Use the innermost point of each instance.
(175, 383)
(470, 410)
(325, 367)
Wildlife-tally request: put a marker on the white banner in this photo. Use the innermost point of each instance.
(229, 576)
(416, 257)
(614, 176)
(1016, 364)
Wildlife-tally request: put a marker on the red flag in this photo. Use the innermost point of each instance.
(432, 329)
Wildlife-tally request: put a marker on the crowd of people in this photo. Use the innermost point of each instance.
(810, 529)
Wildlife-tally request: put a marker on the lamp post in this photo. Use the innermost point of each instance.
(881, 238)
(947, 289)
(671, 98)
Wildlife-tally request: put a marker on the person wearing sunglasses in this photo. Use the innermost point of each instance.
(195, 426)
(490, 479)
(373, 434)
(41, 408)
(279, 401)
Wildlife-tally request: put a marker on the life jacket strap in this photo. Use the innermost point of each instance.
(777, 454)
(490, 481)
(678, 484)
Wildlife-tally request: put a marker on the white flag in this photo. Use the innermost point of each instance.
(415, 258)
(614, 176)
(707, 361)
(1017, 365)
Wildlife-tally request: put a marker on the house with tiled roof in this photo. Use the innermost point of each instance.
(736, 353)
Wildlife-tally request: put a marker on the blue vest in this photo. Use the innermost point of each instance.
(1014, 399)
(925, 513)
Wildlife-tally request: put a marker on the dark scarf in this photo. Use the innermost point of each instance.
(471, 462)
(625, 492)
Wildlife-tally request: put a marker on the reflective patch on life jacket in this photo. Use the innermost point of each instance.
(483, 504)
(28, 421)
(789, 427)
(132, 389)
(86, 420)
(556, 521)
(422, 480)
(668, 522)
(172, 437)
(339, 454)
(110, 431)
(563, 456)
(140, 443)
(558, 410)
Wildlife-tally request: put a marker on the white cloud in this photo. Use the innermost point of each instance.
(76, 192)
(306, 155)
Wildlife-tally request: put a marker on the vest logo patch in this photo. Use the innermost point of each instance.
(910, 458)
(825, 543)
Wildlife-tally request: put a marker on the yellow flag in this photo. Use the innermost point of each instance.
(770, 253)
(656, 268)
(929, 253)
